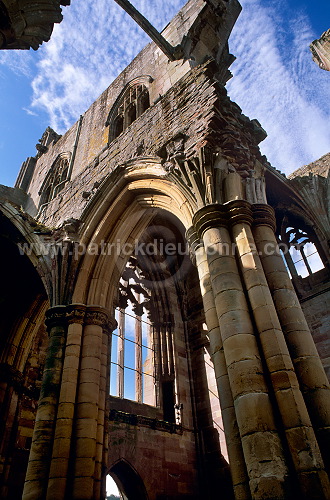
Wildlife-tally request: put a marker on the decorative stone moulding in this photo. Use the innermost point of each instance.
(321, 50)
(27, 24)
(143, 421)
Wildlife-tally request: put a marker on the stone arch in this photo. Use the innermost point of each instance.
(135, 198)
(23, 302)
(128, 480)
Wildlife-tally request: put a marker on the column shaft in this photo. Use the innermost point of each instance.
(308, 367)
(88, 405)
(262, 447)
(234, 446)
(296, 422)
(64, 422)
(42, 441)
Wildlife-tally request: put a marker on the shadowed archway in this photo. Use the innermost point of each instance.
(128, 480)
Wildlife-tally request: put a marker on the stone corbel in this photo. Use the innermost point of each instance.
(71, 228)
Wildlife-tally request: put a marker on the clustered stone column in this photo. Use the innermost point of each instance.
(36, 478)
(308, 367)
(68, 439)
(234, 446)
(262, 368)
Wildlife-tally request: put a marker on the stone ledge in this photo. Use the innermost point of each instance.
(141, 421)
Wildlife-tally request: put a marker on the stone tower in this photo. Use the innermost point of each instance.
(160, 284)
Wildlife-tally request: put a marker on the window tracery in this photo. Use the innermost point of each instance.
(130, 105)
(299, 249)
(142, 353)
(133, 365)
(56, 179)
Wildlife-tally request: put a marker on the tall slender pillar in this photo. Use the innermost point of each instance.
(262, 447)
(107, 327)
(238, 470)
(308, 367)
(138, 358)
(65, 415)
(36, 478)
(87, 433)
(312, 478)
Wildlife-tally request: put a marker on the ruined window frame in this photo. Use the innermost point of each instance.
(55, 180)
(293, 237)
(135, 95)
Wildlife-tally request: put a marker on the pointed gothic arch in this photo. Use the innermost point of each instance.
(56, 178)
(128, 481)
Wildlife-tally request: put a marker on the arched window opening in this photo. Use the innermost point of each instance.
(55, 180)
(45, 195)
(118, 125)
(131, 105)
(142, 353)
(299, 251)
(133, 373)
(144, 101)
(131, 114)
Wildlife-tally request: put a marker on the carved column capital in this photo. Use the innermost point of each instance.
(210, 216)
(99, 316)
(76, 313)
(239, 211)
(264, 215)
(56, 315)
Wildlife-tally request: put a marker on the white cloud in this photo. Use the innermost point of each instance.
(29, 112)
(92, 45)
(18, 61)
(276, 81)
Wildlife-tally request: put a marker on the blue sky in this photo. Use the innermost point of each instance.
(275, 79)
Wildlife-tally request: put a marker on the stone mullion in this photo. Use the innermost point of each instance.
(164, 349)
(158, 360)
(308, 366)
(234, 446)
(262, 448)
(170, 348)
(58, 474)
(138, 358)
(296, 422)
(120, 353)
(36, 478)
(88, 401)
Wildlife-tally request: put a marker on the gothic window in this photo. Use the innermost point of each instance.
(133, 365)
(130, 105)
(142, 352)
(55, 180)
(299, 250)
